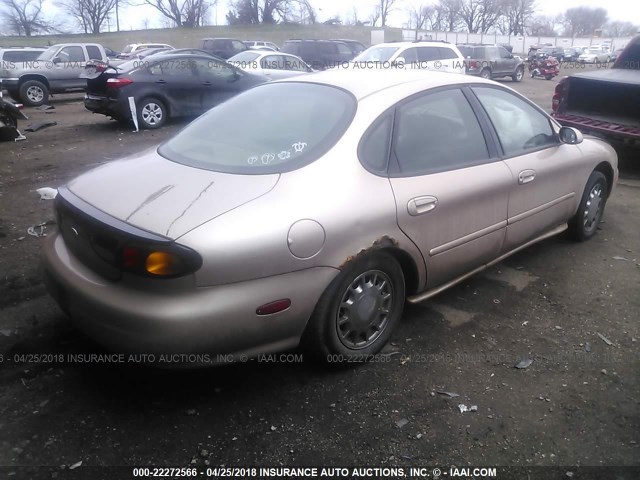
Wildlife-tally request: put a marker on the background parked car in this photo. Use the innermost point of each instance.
(571, 54)
(222, 47)
(259, 43)
(440, 56)
(130, 50)
(356, 47)
(111, 53)
(595, 54)
(10, 55)
(57, 70)
(491, 61)
(164, 86)
(319, 54)
(614, 55)
(274, 65)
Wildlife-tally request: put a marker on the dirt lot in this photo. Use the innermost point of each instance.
(576, 405)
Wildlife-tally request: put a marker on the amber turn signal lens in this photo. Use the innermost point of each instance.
(162, 263)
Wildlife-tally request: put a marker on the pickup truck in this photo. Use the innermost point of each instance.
(604, 102)
(56, 70)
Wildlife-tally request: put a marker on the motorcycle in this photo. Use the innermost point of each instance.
(9, 115)
(544, 66)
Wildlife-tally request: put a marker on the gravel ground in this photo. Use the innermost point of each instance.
(572, 308)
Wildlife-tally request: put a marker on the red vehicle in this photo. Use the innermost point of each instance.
(544, 66)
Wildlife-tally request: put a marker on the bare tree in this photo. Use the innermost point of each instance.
(584, 21)
(300, 12)
(183, 13)
(480, 15)
(25, 17)
(542, 26)
(90, 14)
(621, 29)
(258, 11)
(516, 14)
(449, 11)
(385, 7)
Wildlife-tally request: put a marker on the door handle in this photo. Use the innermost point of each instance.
(420, 205)
(207, 84)
(526, 176)
(161, 81)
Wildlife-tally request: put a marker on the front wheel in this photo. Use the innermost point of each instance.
(152, 113)
(585, 222)
(517, 77)
(34, 93)
(358, 311)
(486, 73)
(548, 77)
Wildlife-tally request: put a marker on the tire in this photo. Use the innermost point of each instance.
(34, 93)
(517, 77)
(548, 77)
(584, 223)
(152, 113)
(485, 73)
(356, 314)
(15, 94)
(608, 60)
(8, 120)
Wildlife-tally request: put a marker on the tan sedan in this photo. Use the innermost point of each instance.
(309, 209)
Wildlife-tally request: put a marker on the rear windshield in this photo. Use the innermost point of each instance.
(246, 56)
(273, 128)
(376, 54)
(127, 49)
(466, 51)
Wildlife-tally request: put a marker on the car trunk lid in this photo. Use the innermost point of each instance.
(163, 197)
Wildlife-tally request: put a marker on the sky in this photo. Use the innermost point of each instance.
(132, 18)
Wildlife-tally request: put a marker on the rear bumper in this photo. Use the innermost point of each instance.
(107, 106)
(186, 319)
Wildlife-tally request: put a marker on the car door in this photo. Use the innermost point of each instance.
(543, 191)
(450, 187)
(506, 61)
(219, 81)
(273, 66)
(177, 83)
(66, 68)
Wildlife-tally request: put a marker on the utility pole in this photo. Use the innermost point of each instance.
(117, 18)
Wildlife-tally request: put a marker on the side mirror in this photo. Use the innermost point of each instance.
(56, 60)
(570, 135)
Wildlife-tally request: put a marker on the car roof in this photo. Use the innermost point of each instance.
(420, 43)
(362, 83)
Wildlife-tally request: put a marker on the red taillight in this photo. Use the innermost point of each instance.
(473, 64)
(274, 307)
(118, 82)
(558, 94)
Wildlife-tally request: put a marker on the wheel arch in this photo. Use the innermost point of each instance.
(34, 76)
(606, 169)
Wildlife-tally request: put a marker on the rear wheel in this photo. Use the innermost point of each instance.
(486, 73)
(34, 93)
(584, 223)
(517, 77)
(548, 77)
(151, 113)
(8, 120)
(358, 311)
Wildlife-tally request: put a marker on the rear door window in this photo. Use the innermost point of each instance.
(436, 132)
(94, 52)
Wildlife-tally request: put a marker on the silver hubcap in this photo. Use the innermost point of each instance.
(364, 309)
(152, 113)
(486, 74)
(35, 94)
(519, 74)
(593, 208)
